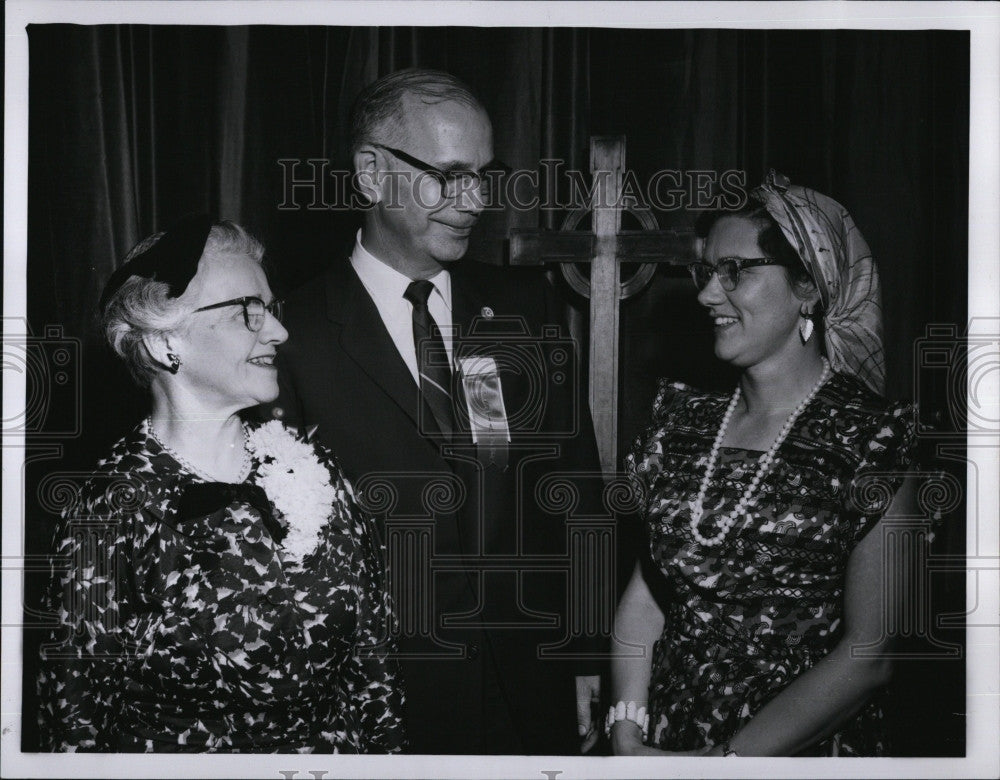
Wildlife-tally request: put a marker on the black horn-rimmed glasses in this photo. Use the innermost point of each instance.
(254, 310)
(455, 181)
(727, 269)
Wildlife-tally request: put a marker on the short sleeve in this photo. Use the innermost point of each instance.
(669, 397)
(887, 455)
(643, 462)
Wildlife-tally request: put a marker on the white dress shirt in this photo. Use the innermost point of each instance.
(386, 287)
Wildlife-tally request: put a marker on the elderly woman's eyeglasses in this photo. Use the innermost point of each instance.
(728, 270)
(457, 181)
(254, 310)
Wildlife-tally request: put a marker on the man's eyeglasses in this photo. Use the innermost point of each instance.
(728, 270)
(456, 181)
(254, 310)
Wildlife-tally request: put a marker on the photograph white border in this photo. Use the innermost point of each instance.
(983, 22)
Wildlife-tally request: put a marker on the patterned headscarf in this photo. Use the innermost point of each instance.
(841, 265)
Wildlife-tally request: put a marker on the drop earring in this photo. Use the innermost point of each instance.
(175, 362)
(806, 326)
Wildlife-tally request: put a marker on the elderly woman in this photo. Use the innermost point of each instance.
(765, 565)
(217, 586)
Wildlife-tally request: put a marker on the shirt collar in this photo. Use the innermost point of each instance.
(386, 283)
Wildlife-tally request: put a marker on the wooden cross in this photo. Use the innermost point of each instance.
(605, 247)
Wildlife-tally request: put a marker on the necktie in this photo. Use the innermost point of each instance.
(432, 358)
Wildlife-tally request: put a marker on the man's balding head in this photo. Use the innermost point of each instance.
(410, 131)
(379, 113)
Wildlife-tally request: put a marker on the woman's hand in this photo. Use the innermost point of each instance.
(626, 740)
(588, 693)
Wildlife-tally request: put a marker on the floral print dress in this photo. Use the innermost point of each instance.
(745, 618)
(183, 625)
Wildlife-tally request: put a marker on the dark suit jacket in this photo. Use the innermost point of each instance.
(479, 558)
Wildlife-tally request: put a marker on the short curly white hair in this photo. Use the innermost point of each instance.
(142, 307)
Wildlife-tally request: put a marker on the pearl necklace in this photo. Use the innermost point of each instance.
(244, 466)
(763, 465)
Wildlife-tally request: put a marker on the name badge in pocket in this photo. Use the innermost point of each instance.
(484, 400)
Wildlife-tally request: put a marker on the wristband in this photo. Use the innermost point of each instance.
(627, 711)
(728, 751)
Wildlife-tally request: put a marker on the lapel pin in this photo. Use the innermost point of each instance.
(487, 312)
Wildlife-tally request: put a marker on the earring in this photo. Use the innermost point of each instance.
(175, 362)
(806, 326)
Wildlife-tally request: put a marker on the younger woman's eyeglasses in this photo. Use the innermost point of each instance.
(254, 310)
(728, 270)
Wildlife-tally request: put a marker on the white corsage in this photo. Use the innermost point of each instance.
(295, 481)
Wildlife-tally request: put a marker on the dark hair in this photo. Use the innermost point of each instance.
(770, 238)
(380, 103)
(772, 241)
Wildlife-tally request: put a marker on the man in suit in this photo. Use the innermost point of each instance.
(448, 392)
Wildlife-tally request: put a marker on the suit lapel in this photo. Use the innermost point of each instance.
(466, 298)
(364, 338)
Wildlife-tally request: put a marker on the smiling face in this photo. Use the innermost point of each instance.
(413, 228)
(224, 365)
(757, 322)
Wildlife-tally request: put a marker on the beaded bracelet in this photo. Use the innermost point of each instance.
(627, 711)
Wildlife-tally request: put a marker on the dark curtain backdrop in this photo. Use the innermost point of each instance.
(132, 126)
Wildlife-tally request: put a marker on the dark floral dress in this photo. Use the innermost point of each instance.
(745, 618)
(181, 630)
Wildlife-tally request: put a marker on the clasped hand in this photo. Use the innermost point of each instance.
(626, 740)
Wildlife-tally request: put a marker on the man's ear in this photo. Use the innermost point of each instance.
(366, 175)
